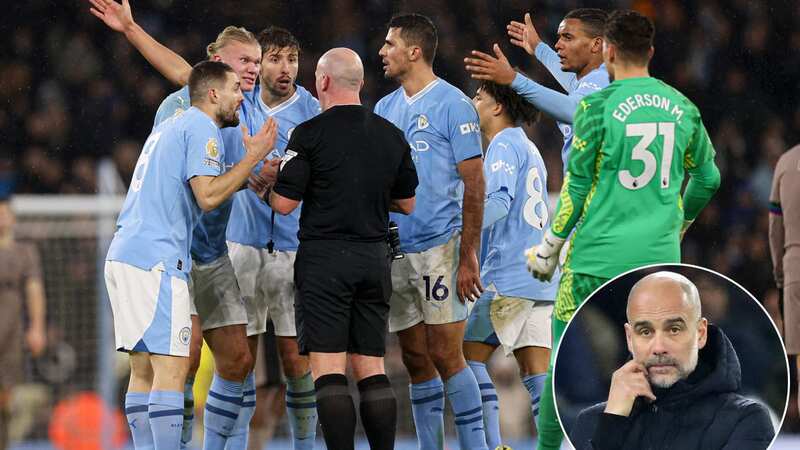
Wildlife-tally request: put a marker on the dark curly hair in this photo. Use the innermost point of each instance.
(519, 109)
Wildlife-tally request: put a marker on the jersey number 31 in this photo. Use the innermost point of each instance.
(648, 132)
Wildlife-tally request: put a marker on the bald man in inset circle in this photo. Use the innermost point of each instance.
(680, 389)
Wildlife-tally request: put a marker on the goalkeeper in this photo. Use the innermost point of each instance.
(632, 143)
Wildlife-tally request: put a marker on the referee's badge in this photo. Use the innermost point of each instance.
(211, 148)
(288, 157)
(422, 122)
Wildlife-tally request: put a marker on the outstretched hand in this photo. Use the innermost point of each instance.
(524, 35)
(117, 16)
(260, 144)
(483, 66)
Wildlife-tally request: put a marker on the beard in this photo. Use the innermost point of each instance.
(228, 118)
(667, 381)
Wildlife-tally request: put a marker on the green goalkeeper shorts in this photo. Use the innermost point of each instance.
(573, 290)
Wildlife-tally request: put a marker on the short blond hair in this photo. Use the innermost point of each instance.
(231, 33)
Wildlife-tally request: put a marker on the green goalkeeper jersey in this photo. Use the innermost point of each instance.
(632, 143)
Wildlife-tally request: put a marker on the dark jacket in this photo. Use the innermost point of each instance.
(702, 412)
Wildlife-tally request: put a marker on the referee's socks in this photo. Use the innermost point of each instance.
(337, 414)
(378, 410)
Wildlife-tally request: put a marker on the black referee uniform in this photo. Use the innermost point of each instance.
(346, 165)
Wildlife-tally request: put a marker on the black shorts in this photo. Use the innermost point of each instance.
(342, 292)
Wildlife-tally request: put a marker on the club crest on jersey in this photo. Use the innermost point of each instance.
(211, 148)
(422, 122)
(184, 335)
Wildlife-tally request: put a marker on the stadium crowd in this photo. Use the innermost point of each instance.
(73, 94)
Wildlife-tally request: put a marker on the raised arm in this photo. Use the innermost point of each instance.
(557, 105)
(525, 36)
(119, 18)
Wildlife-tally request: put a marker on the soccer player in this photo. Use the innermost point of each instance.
(578, 67)
(21, 295)
(513, 311)
(215, 291)
(632, 143)
(180, 173)
(440, 272)
(256, 256)
(263, 244)
(576, 63)
(214, 285)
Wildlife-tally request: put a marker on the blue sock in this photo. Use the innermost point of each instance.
(166, 419)
(427, 407)
(301, 407)
(188, 412)
(534, 384)
(465, 398)
(491, 409)
(222, 409)
(138, 421)
(241, 430)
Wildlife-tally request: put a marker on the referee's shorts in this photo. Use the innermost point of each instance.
(342, 292)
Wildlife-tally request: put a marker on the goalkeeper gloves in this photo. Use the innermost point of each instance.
(685, 226)
(543, 258)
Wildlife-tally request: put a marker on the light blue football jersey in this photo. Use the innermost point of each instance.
(160, 211)
(513, 164)
(592, 82)
(441, 125)
(251, 219)
(208, 238)
(576, 89)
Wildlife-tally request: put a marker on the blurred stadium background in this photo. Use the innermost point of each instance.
(77, 102)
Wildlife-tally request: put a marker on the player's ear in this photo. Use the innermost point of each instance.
(597, 45)
(414, 53)
(650, 53)
(498, 109)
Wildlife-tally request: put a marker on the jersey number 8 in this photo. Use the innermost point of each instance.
(535, 197)
(641, 152)
(141, 165)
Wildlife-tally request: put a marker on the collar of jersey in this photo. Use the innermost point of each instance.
(421, 93)
(286, 103)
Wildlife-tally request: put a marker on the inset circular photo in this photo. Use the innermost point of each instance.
(671, 357)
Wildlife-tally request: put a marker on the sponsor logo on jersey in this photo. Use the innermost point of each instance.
(422, 122)
(500, 164)
(212, 149)
(469, 127)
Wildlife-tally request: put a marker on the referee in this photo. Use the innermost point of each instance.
(350, 167)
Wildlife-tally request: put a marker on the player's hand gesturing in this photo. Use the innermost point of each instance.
(260, 144)
(627, 383)
(524, 35)
(483, 66)
(468, 280)
(117, 16)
